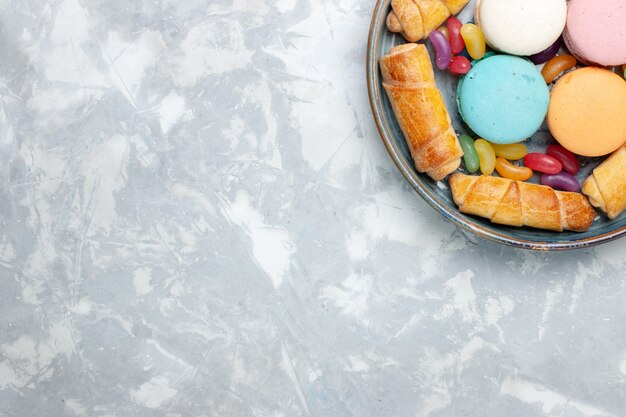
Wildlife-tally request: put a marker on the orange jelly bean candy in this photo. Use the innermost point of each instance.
(512, 172)
(556, 66)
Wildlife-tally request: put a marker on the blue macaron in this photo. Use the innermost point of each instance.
(503, 99)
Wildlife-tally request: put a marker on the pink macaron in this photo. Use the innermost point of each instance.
(596, 31)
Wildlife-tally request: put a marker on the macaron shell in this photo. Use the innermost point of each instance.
(477, 12)
(596, 31)
(521, 27)
(587, 113)
(503, 99)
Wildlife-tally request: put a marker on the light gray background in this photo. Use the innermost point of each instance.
(199, 219)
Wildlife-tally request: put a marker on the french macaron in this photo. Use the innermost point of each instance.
(596, 31)
(503, 99)
(587, 112)
(521, 27)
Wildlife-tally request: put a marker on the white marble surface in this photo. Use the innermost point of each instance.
(199, 219)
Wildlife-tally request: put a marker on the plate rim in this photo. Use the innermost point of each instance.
(466, 224)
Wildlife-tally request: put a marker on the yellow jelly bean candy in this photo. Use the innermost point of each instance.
(475, 42)
(512, 152)
(486, 156)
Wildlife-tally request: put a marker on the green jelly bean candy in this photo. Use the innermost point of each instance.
(470, 157)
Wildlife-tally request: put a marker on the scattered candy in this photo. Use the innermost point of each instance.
(512, 172)
(444, 30)
(474, 40)
(562, 181)
(512, 152)
(470, 157)
(548, 54)
(542, 163)
(454, 35)
(486, 156)
(443, 53)
(566, 158)
(459, 65)
(556, 66)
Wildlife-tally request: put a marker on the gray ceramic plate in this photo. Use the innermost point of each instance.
(438, 194)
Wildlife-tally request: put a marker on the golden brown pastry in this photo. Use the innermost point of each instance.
(415, 19)
(516, 203)
(606, 187)
(420, 111)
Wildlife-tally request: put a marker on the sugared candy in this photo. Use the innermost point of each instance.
(443, 54)
(546, 55)
(474, 40)
(486, 156)
(512, 172)
(556, 66)
(566, 158)
(470, 157)
(512, 152)
(459, 65)
(454, 35)
(542, 163)
(562, 181)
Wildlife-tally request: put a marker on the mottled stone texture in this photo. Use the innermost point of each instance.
(198, 218)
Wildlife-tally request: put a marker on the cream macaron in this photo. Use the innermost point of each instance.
(521, 27)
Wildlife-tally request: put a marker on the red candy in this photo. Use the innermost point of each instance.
(542, 163)
(459, 65)
(565, 157)
(454, 35)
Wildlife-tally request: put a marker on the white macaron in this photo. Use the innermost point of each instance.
(521, 27)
